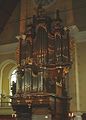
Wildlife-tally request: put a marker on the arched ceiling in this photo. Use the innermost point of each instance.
(8, 16)
(6, 9)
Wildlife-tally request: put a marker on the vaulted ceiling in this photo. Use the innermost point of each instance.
(6, 9)
(9, 14)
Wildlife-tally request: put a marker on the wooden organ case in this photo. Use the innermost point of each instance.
(44, 62)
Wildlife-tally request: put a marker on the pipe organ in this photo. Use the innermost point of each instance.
(44, 61)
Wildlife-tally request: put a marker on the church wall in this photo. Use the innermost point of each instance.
(77, 81)
(72, 84)
(4, 57)
(81, 54)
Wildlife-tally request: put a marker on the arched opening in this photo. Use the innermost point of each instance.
(13, 81)
(6, 69)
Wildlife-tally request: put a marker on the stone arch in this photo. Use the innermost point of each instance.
(6, 67)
